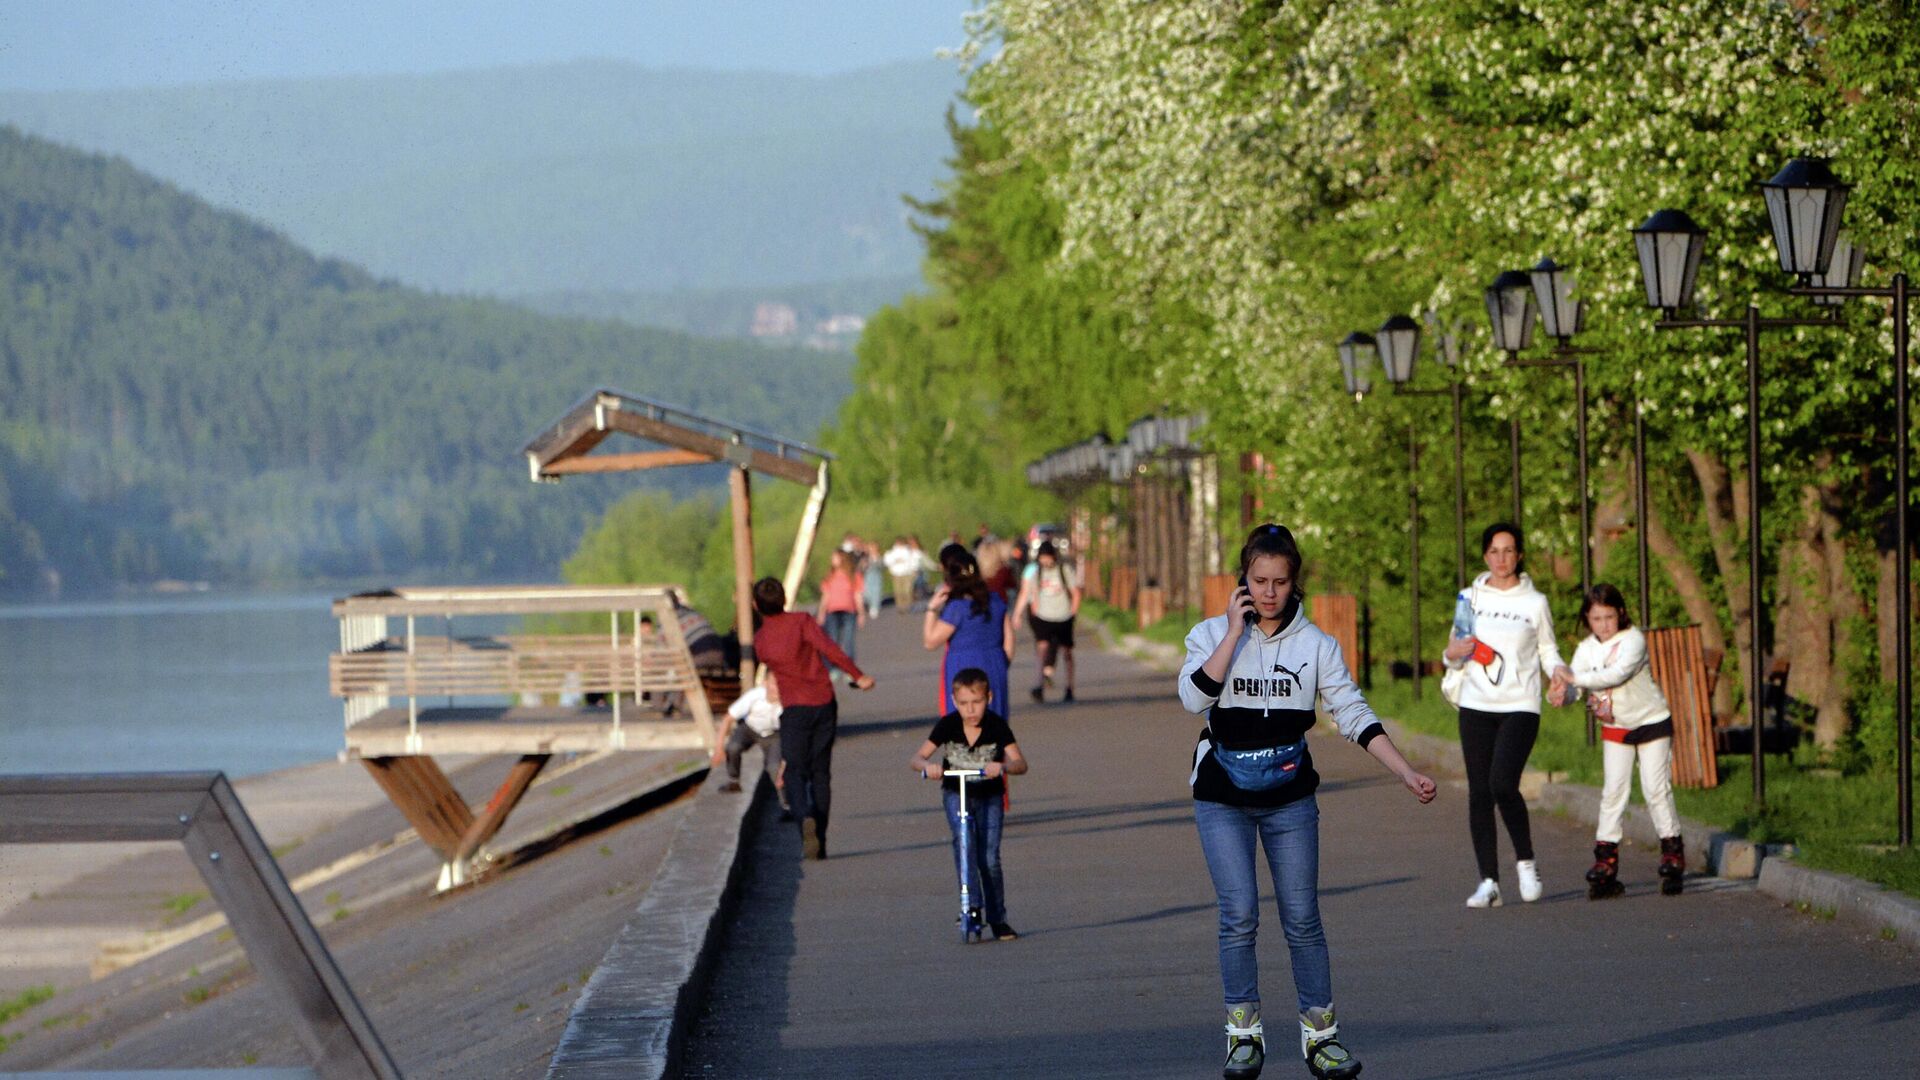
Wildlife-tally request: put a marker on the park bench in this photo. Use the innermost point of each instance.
(1679, 665)
(530, 694)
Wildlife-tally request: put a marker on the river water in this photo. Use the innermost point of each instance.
(236, 683)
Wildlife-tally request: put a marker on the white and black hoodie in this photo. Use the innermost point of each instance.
(1267, 700)
(1518, 625)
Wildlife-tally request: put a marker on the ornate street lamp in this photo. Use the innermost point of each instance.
(1353, 351)
(1398, 342)
(1561, 316)
(1800, 189)
(1510, 310)
(1670, 246)
(1804, 203)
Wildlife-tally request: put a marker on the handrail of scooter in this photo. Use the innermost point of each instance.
(964, 772)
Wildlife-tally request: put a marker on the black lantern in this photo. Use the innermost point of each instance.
(1354, 352)
(1561, 316)
(1510, 310)
(1805, 202)
(1670, 245)
(1843, 270)
(1398, 342)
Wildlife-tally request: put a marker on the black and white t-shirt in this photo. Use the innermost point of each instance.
(949, 734)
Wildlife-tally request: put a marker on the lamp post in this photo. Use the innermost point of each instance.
(1805, 202)
(1669, 245)
(1397, 343)
(1512, 300)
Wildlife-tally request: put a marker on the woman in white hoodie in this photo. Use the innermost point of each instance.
(1256, 673)
(1500, 705)
(1610, 666)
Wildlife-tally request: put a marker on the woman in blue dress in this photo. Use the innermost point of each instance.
(970, 622)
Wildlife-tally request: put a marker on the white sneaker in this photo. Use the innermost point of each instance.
(1487, 895)
(1530, 888)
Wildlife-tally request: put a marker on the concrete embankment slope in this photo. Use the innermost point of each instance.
(849, 967)
(474, 983)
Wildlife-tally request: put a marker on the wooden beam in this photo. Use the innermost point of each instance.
(740, 486)
(426, 798)
(634, 462)
(660, 431)
(809, 529)
(504, 800)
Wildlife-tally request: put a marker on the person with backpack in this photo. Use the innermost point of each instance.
(1257, 672)
(1050, 600)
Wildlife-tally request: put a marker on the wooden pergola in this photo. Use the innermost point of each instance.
(680, 437)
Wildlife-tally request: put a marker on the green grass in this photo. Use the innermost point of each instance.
(1843, 823)
(182, 903)
(26, 999)
(1171, 630)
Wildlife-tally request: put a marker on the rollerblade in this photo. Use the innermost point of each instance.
(1320, 1045)
(1246, 1042)
(1603, 880)
(1673, 865)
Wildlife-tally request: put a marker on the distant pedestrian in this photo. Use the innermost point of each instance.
(1610, 666)
(873, 582)
(1256, 672)
(903, 566)
(1500, 706)
(995, 571)
(842, 612)
(974, 736)
(753, 720)
(796, 651)
(1050, 601)
(970, 625)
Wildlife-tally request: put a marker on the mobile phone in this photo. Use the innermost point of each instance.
(1252, 616)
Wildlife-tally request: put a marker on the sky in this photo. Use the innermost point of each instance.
(101, 44)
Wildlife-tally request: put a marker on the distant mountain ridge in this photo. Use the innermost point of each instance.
(589, 176)
(185, 394)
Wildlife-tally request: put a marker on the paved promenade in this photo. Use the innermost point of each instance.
(850, 967)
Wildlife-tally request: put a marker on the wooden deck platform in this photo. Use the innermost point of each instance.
(521, 729)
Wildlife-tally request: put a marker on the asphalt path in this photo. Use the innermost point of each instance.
(850, 967)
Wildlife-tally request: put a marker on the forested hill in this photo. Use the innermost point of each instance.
(592, 175)
(186, 394)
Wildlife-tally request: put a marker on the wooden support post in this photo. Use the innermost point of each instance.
(426, 798)
(809, 529)
(511, 790)
(739, 484)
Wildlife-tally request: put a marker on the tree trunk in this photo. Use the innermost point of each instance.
(1693, 596)
(1845, 604)
(1803, 619)
(1725, 505)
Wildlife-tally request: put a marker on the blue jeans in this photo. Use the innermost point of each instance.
(984, 884)
(840, 626)
(1291, 836)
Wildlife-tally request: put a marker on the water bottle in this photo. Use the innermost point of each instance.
(1462, 616)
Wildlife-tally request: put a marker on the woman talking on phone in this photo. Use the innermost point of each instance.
(1256, 672)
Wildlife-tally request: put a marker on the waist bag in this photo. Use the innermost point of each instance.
(1263, 769)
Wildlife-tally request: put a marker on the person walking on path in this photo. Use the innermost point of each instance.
(973, 736)
(1256, 672)
(1500, 706)
(753, 720)
(970, 623)
(872, 579)
(796, 651)
(841, 610)
(903, 566)
(1050, 600)
(1610, 667)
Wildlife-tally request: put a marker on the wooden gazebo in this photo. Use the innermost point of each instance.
(676, 436)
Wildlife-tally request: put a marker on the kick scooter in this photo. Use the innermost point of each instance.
(970, 922)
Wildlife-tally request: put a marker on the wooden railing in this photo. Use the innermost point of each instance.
(513, 665)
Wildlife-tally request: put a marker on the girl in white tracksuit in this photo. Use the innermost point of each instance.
(1499, 705)
(1610, 667)
(1256, 672)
